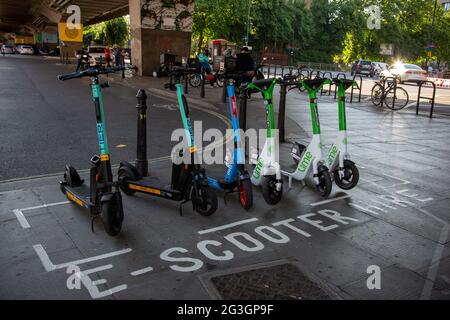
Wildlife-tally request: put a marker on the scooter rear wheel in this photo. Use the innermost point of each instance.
(205, 201)
(350, 178)
(269, 190)
(325, 184)
(246, 194)
(112, 215)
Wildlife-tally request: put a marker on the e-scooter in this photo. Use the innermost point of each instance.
(345, 172)
(101, 196)
(236, 177)
(311, 157)
(188, 182)
(267, 172)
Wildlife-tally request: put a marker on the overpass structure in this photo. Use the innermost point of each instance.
(157, 26)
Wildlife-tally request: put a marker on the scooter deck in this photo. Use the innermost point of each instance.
(152, 185)
(80, 195)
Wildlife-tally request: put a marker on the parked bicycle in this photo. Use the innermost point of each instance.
(387, 92)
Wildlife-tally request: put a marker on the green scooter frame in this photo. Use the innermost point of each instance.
(267, 172)
(345, 172)
(311, 158)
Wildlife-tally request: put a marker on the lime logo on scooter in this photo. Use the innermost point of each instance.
(257, 171)
(304, 164)
(332, 154)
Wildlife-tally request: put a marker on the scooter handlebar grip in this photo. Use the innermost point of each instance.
(64, 77)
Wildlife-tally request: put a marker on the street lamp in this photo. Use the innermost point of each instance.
(432, 27)
(248, 22)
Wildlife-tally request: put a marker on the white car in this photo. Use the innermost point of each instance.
(380, 67)
(406, 73)
(25, 49)
(96, 54)
(8, 49)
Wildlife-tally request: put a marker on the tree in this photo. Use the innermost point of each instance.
(112, 32)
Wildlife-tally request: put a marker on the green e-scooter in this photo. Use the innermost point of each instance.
(345, 172)
(267, 172)
(310, 158)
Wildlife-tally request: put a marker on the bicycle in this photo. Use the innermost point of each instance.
(394, 97)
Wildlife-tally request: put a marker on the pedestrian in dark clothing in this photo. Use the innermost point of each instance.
(245, 64)
(80, 56)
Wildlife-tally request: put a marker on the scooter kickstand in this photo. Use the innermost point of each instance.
(181, 206)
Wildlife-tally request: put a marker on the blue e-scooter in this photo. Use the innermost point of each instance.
(237, 179)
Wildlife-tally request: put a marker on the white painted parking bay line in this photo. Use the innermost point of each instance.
(142, 271)
(21, 218)
(45, 206)
(227, 226)
(49, 266)
(329, 201)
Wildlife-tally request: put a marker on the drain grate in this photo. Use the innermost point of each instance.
(279, 282)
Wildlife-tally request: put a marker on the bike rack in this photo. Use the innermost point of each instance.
(317, 73)
(324, 74)
(338, 76)
(432, 99)
(359, 88)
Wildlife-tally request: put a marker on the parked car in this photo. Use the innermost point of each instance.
(24, 49)
(9, 49)
(97, 54)
(406, 73)
(363, 67)
(380, 67)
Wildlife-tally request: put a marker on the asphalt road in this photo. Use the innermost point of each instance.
(46, 123)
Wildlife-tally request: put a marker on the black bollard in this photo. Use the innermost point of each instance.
(186, 81)
(243, 110)
(142, 161)
(224, 90)
(202, 88)
(282, 112)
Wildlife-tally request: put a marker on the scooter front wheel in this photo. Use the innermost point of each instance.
(246, 194)
(325, 184)
(269, 190)
(350, 177)
(205, 201)
(112, 215)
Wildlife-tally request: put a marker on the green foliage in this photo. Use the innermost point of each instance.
(112, 32)
(331, 30)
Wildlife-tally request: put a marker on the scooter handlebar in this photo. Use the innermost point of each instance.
(92, 72)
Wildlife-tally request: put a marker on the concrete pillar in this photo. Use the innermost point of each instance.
(158, 27)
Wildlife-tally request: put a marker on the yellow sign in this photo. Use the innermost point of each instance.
(70, 34)
(104, 157)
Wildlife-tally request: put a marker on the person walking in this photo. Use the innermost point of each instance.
(117, 55)
(203, 59)
(107, 54)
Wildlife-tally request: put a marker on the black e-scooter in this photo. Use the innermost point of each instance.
(101, 196)
(188, 182)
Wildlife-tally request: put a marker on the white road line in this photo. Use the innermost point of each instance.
(142, 271)
(412, 104)
(227, 226)
(22, 220)
(45, 206)
(98, 282)
(49, 266)
(329, 201)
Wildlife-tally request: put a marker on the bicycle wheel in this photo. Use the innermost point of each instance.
(396, 100)
(195, 80)
(377, 93)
